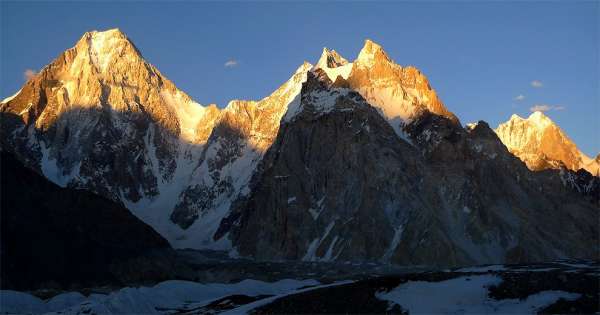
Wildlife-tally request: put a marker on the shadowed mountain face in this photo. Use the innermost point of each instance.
(345, 161)
(339, 184)
(63, 237)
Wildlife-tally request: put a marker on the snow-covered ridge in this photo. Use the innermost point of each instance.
(334, 65)
(8, 99)
(237, 155)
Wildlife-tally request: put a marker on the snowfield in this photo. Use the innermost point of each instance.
(552, 287)
(163, 298)
(466, 295)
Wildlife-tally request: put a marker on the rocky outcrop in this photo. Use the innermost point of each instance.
(541, 144)
(400, 93)
(339, 184)
(513, 215)
(67, 238)
(317, 196)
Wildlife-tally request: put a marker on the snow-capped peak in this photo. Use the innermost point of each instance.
(100, 36)
(104, 47)
(400, 93)
(334, 65)
(370, 52)
(330, 59)
(540, 120)
(537, 119)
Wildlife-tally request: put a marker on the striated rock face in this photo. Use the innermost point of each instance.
(541, 144)
(338, 184)
(344, 161)
(316, 196)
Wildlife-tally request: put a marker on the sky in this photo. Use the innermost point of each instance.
(486, 60)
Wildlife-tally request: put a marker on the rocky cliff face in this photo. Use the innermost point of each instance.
(541, 144)
(241, 135)
(339, 184)
(345, 161)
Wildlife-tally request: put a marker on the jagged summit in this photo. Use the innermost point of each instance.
(371, 51)
(541, 144)
(401, 94)
(330, 59)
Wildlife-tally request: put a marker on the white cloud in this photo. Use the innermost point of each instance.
(231, 63)
(28, 74)
(545, 107)
(537, 84)
(519, 97)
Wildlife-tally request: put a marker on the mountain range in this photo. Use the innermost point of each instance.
(345, 161)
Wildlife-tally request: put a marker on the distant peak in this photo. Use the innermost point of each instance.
(112, 31)
(540, 119)
(535, 117)
(101, 36)
(372, 51)
(538, 115)
(515, 117)
(331, 59)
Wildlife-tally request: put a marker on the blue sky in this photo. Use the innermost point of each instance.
(479, 56)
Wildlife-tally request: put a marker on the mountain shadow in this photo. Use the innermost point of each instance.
(53, 237)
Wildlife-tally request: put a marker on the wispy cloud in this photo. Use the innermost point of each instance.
(519, 97)
(28, 74)
(545, 107)
(537, 83)
(231, 63)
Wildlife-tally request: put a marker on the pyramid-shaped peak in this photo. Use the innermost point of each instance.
(371, 51)
(331, 59)
(105, 46)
